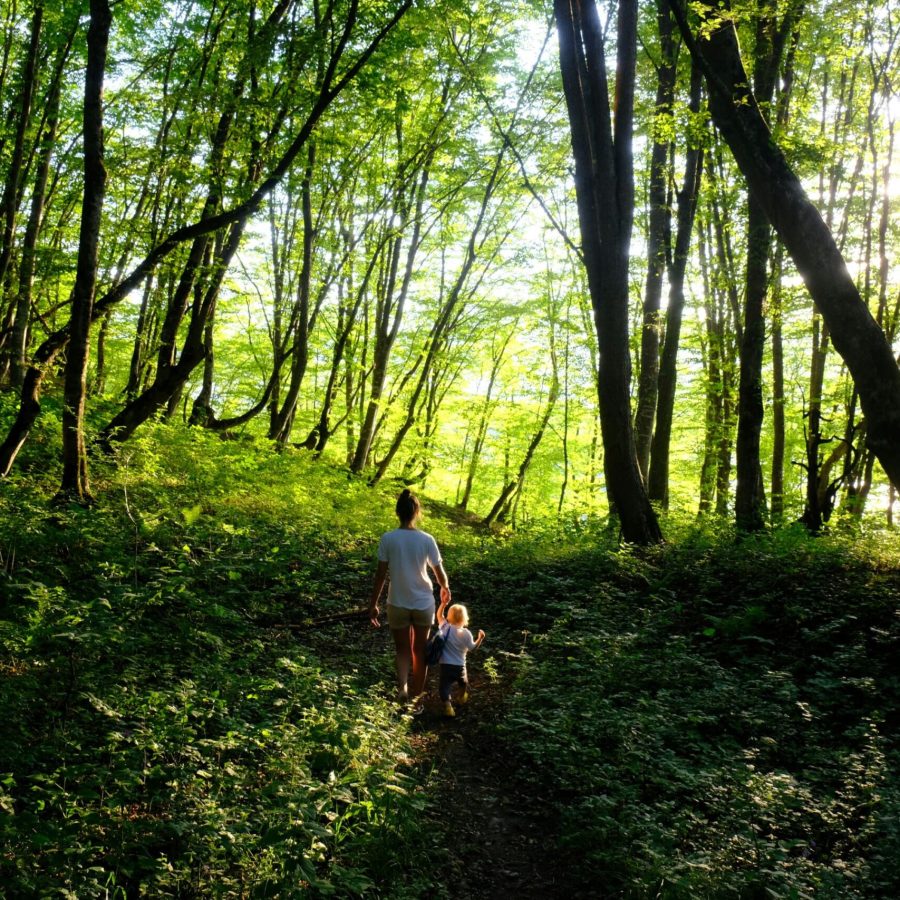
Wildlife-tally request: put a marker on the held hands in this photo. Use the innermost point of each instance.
(445, 595)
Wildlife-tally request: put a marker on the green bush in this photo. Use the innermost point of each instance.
(711, 718)
(723, 728)
(164, 733)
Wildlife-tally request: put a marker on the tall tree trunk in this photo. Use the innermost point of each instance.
(75, 484)
(750, 500)
(347, 322)
(515, 485)
(778, 398)
(291, 328)
(658, 480)
(10, 199)
(481, 432)
(565, 435)
(712, 369)
(283, 419)
(855, 333)
(201, 409)
(778, 423)
(390, 305)
(659, 223)
(715, 480)
(21, 325)
(727, 334)
(442, 325)
(852, 453)
(883, 222)
(812, 516)
(813, 513)
(604, 183)
(136, 366)
(9, 32)
(726, 436)
(98, 382)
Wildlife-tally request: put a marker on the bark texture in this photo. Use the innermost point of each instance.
(75, 476)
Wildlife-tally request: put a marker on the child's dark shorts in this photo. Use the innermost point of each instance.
(451, 675)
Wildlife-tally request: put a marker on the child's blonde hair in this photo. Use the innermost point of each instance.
(458, 615)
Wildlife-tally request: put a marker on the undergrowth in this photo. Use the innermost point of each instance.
(717, 719)
(171, 726)
(186, 713)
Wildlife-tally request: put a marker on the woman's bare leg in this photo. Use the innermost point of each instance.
(419, 668)
(403, 658)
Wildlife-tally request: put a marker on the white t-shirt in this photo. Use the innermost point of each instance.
(408, 552)
(459, 642)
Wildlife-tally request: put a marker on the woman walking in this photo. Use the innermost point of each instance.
(405, 554)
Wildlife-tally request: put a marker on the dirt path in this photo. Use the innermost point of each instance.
(505, 834)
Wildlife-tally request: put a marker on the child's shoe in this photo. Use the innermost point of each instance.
(448, 709)
(463, 698)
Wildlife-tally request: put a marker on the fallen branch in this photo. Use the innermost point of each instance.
(325, 620)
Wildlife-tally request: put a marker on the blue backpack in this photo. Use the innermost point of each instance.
(434, 646)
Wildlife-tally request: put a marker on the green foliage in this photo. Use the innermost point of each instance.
(165, 734)
(709, 718)
(719, 720)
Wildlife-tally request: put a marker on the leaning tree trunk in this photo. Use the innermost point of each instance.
(171, 378)
(75, 475)
(855, 333)
(604, 183)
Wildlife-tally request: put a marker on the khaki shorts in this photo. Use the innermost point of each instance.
(400, 617)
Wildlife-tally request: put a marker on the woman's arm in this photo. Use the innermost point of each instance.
(443, 581)
(377, 588)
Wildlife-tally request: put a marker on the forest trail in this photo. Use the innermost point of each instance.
(503, 831)
(505, 835)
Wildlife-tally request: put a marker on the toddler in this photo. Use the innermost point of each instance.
(458, 643)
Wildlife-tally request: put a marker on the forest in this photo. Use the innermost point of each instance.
(613, 286)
